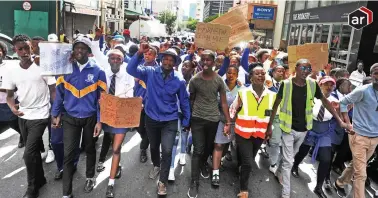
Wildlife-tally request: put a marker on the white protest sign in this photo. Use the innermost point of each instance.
(54, 58)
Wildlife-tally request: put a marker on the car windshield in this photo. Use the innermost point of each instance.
(10, 48)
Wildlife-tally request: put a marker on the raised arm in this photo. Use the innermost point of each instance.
(133, 67)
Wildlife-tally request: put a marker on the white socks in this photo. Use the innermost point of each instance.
(216, 172)
(111, 182)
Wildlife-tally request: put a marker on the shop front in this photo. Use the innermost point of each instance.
(330, 25)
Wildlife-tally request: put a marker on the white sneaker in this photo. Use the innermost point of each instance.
(44, 155)
(182, 159)
(50, 157)
(273, 169)
(171, 176)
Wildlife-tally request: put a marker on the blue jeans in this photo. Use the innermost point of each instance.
(163, 133)
(184, 141)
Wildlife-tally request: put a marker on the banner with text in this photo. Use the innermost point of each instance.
(120, 112)
(54, 58)
(212, 36)
(240, 31)
(316, 53)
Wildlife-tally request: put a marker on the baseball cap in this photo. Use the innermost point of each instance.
(52, 38)
(327, 79)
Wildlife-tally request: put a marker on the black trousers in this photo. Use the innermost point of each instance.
(343, 153)
(72, 130)
(143, 132)
(13, 124)
(32, 131)
(203, 136)
(163, 133)
(324, 157)
(106, 142)
(247, 149)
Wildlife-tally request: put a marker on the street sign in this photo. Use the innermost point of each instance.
(360, 18)
(27, 6)
(263, 12)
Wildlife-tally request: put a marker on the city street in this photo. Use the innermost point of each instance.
(134, 182)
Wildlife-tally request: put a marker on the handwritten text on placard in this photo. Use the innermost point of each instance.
(212, 36)
(54, 58)
(120, 112)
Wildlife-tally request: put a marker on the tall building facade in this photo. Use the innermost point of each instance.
(199, 10)
(216, 7)
(192, 10)
(327, 22)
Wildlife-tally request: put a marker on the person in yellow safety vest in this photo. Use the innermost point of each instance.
(296, 96)
(253, 107)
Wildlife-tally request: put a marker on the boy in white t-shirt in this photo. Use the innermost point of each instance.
(33, 92)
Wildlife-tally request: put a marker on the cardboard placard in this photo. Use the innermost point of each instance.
(239, 27)
(212, 36)
(316, 53)
(120, 112)
(54, 58)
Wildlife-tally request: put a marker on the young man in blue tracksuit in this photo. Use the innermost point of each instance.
(79, 93)
(164, 86)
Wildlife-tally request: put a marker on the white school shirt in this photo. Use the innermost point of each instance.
(124, 83)
(32, 89)
(318, 103)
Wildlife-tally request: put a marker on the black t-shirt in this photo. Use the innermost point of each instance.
(298, 103)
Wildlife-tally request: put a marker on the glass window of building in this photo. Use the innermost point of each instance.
(321, 33)
(344, 41)
(312, 4)
(294, 35)
(325, 3)
(299, 5)
(284, 32)
(335, 40)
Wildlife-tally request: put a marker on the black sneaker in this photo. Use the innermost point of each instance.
(327, 184)
(143, 156)
(100, 167)
(294, 172)
(319, 192)
(109, 191)
(204, 171)
(215, 180)
(193, 190)
(58, 175)
(89, 184)
(339, 190)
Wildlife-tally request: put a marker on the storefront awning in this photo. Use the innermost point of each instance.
(132, 12)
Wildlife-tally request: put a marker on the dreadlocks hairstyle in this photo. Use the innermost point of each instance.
(3, 48)
(20, 38)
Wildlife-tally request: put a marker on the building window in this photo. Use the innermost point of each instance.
(312, 4)
(294, 34)
(325, 3)
(321, 33)
(299, 5)
(335, 40)
(306, 34)
(285, 30)
(344, 41)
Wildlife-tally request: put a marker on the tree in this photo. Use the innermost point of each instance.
(210, 18)
(192, 24)
(168, 18)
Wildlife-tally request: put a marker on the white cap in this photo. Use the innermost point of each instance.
(52, 38)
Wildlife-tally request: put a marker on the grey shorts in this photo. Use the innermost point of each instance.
(220, 138)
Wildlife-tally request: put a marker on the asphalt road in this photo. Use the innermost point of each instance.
(135, 183)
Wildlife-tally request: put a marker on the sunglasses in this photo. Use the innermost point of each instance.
(305, 68)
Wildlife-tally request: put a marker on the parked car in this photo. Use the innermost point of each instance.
(8, 41)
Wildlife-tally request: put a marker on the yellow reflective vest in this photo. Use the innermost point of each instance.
(252, 119)
(286, 104)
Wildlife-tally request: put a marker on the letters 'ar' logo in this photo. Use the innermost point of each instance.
(360, 18)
